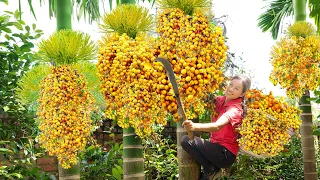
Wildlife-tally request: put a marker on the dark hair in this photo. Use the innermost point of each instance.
(246, 83)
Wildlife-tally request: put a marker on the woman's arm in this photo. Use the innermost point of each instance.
(206, 127)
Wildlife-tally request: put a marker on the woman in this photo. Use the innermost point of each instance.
(222, 149)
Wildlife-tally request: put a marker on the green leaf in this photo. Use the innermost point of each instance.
(6, 108)
(27, 28)
(119, 168)
(17, 175)
(314, 12)
(31, 9)
(7, 30)
(17, 14)
(21, 22)
(316, 132)
(34, 26)
(37, 36)
(7, 37)
(3, 167)
(116, 173)
(18, 26)
(314, 2)
(5, 150)
(110, 4)
(51, 8)
(271, 19)
(4, 1)
(67, 47)
(8, 12)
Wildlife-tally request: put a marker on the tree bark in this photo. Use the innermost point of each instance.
(72, 173)
(189, 169)
(308, 149)
(133, 162)
(63, 14)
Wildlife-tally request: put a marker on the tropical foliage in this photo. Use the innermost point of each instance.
(67, 47)
(16, 56)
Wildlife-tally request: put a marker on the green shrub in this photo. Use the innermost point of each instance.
(16, 56)
(17, 129)
(24, 167)
(160, 158)
(288, 165)
(102, 165)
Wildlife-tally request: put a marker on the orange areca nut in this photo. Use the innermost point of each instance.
(265, 129)
(64, 111)
(295, 60)
(197, 53)
(129, 77)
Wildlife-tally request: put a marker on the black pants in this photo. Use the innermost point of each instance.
(208, 154)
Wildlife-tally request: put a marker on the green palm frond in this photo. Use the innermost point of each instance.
(89, 9)
(127, 18)
(90, 72)
(4, 1)
(314, 7)
(272, 18)
(67, 47)
(301, 29)
(29, 86)
(187, 6)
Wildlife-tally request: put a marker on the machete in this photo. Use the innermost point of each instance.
(174, 84)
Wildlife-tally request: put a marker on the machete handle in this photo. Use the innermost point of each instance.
(183, 114)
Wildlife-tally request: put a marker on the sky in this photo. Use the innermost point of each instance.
(245, 38)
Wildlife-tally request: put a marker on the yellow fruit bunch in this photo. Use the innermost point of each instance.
(127, 70)
(197, 53)
(295, 60)
(64, 111)
(268, 124)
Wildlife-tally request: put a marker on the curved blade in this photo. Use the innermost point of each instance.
(171, 74)
(174, 84)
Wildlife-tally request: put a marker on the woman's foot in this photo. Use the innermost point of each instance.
(211, 174)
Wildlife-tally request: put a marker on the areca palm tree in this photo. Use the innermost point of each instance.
(271, 20)
(88, 9)
(277, 10)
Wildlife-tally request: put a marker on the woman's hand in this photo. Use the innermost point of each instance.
(188, 125)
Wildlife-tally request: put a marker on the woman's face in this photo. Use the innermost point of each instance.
(234, 89)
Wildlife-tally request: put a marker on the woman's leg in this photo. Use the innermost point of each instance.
(208, 154)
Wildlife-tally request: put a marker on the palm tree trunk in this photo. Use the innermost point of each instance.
(63, 14)
(299, 7)
(133, 162)
(308, 150)
(189, 169)
(72, 173)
